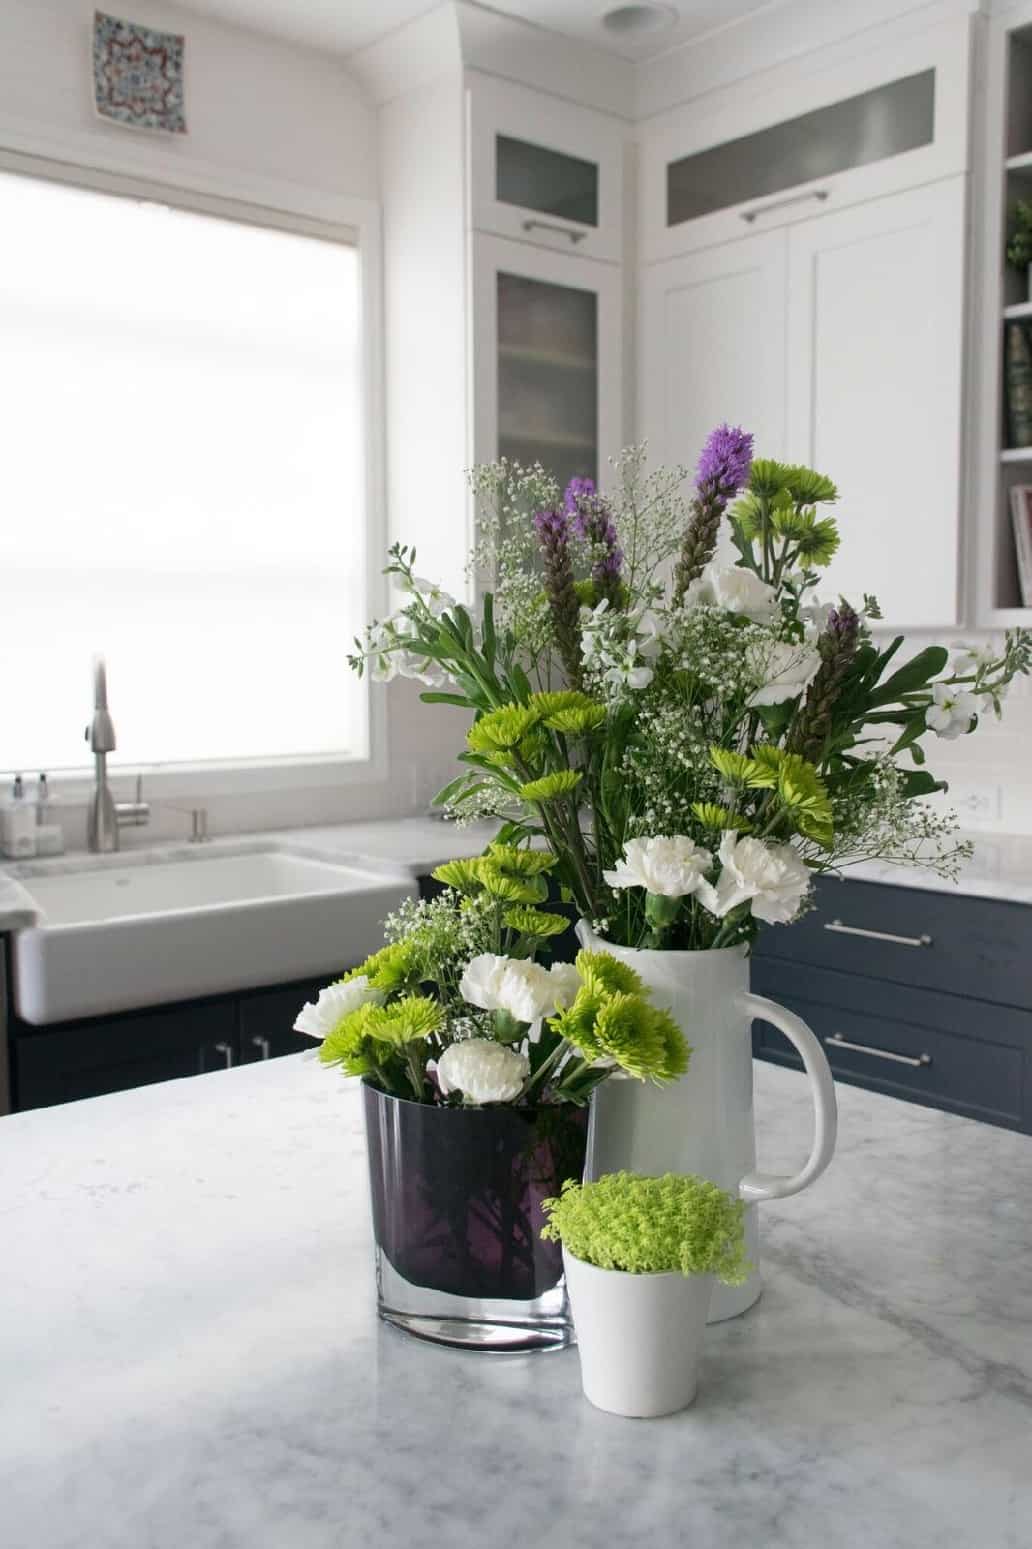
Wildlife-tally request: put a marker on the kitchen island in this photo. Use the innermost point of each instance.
(190, 1357)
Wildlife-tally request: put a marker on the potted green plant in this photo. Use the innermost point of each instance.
(641, 1255)
(1019, 240)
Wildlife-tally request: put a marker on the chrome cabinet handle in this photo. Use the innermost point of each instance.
(226, 1050)
(262, 1045)
(878, 935)
(780, 204)
(836, 1041)
(564, 231)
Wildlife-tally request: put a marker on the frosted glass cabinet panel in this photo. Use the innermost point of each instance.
(549, 181)
(548, 375)
(548, 359)
(869, 127)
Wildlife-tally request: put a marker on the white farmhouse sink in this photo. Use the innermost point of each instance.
(131, 931)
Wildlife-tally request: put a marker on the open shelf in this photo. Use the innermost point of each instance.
(1018, 311)
(1016, 454)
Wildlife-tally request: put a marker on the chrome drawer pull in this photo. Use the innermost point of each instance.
(564, 231)
(780, 204)
(878, 935)
(838, 1042)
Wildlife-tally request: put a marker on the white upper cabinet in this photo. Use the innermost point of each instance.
(543, 170)
(874, 356)
(754, 160)
(713, 347)
(547, 361)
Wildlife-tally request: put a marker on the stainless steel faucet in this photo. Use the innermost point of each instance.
(106, 816)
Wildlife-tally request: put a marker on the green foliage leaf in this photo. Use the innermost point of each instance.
(913, 675)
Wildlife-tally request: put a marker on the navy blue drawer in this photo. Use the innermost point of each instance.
(980, 947)
(942, 1050)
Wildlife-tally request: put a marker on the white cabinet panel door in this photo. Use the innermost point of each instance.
(713, 347)
(875, 336)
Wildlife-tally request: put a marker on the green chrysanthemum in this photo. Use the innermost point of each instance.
(349, 1045)
(462, 875)
(713, 816)
(502, 730)
(627, 1030)
(395, 967)
(408, 1020)
(606, 974)
(510, 889)
(551, 787)
(576, 1022)
(677, 1050)
(808, 487)
(519, 863)
(735, 767)
(578, 720)
(535, 922)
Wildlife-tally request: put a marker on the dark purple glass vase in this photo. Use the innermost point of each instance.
(457, 1219)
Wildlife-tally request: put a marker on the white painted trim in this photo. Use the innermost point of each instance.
(361, 228)
(799, 35)
(411, 56)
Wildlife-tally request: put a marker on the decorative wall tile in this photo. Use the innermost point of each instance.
(138, 75)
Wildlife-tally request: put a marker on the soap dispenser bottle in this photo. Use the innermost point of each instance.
(49, 834)
(19, 824)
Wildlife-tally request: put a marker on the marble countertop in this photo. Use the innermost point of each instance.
(1001, 866)
(190, 1354)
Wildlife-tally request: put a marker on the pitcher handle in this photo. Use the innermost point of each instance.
(758, 1185)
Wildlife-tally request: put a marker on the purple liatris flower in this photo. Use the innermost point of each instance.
(593, 523)
(576, 491)
(723, 468)
(725, 461)
(553, 530)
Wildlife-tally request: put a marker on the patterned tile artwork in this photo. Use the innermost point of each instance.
(138, 75)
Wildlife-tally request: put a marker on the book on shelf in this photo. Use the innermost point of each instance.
(1021, 517)
(1018, 380)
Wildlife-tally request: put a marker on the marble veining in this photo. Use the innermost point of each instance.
(190, 1355)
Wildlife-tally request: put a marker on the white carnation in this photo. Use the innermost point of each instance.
(525, 990)
(335, 1002)
(670, 866)
(483, 1071)
(770, 875)
(786, 671)
(735, 589)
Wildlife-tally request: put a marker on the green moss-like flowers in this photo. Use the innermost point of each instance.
(651, 1226)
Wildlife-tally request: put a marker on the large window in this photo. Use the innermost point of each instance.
(181, 482)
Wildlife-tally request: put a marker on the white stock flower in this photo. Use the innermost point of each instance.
(629, 672)
(483, 1071)
(649, 634)
(971, 659)
(670, 866)
(735, 589)
(319, 1018)
(787, 671)
(526, 990)
(770, 875)
(952, 710)
(434, 596)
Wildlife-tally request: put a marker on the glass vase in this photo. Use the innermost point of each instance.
(456, 1198)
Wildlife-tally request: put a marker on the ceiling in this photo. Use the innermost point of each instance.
(342, 26)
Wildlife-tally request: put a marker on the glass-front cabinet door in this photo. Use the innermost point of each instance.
(547, 377)
(545, 171)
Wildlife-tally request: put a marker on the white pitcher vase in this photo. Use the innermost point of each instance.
(704, 1123)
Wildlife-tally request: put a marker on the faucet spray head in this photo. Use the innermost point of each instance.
(100, 733)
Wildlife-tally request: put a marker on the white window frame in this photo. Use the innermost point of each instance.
(340, 218)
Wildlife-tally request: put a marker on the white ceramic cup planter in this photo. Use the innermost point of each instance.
(638, 1336)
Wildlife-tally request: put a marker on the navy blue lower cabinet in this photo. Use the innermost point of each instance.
(947, 1051)
(70, 1060)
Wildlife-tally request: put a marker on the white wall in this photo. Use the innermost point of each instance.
(271, 124)
(261, 115)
